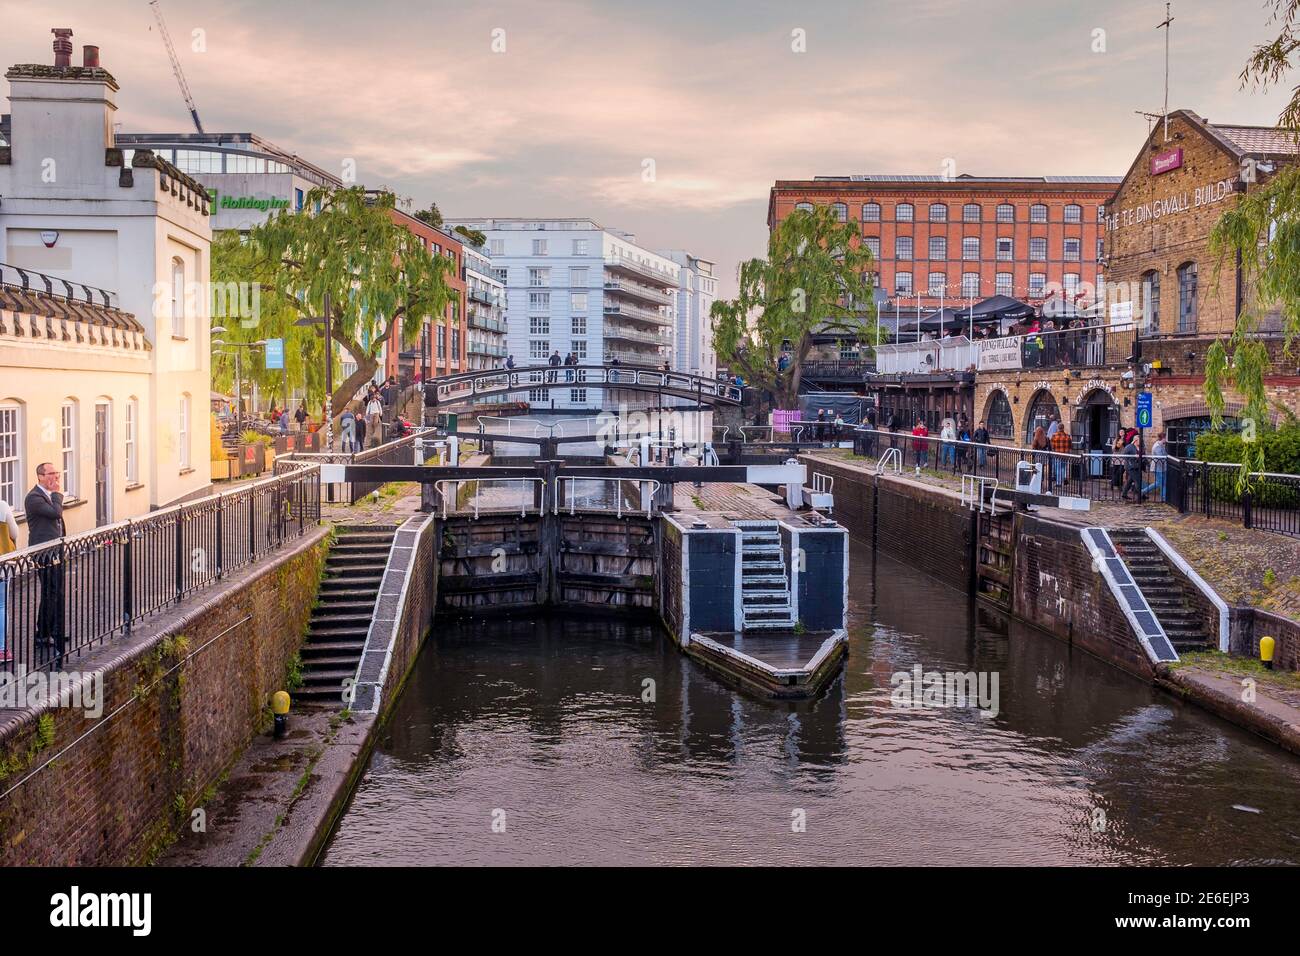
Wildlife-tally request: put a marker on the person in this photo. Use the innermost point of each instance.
(894, 423)
(963, 447)
(44, 507)
(8, 544)
(510, 367)
(361, 429)
(554, 362)
(981, 438)
(284, 421)
(1038, 445)
(1053, 426)
(614, 364)
(570, 361)
(1159, 452)
(1132, 472)
(374, 417)
(819, 430)
(921, 444)
(1117, 462)
(1060, 441)
(947, 436)
(300, 416)
(348, 429)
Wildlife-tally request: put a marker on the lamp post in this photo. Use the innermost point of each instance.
(238, 353)
(328, 333)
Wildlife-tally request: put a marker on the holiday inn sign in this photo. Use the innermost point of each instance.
(245, 202)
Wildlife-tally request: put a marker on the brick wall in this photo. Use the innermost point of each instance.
(1056, 588)
(1285, 634)
(176, 715)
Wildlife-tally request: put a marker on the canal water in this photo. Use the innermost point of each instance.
(533, 742)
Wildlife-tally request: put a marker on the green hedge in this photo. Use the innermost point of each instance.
(1281, 448)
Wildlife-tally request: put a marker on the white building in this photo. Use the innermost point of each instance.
(574, 286)
(696, 291)
(485, 296)
(115, 389)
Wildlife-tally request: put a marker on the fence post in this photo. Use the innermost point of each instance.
(180, 554)
(1205, 487)
(1247, 500)
(128, 610)
(221, 520)
(252, 523)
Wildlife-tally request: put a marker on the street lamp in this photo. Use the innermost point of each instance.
(329, 367)
(239, 390)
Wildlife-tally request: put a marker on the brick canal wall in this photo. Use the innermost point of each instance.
(920, 525)
(1056, 588)
(182, 698)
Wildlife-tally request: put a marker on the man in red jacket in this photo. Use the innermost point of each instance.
(920, 446)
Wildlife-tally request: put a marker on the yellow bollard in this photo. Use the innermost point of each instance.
(280, 707)
(1266, 645)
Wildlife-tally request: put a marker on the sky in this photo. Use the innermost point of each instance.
(670, 119)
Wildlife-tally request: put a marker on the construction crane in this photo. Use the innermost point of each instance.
(176, 65)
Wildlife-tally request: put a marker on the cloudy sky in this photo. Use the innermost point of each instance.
(555, 107)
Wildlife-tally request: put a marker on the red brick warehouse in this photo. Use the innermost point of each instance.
(976, 236)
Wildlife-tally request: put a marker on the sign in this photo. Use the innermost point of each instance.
(1121, 314)
(220, 201)
(1206, 195)
(274, 353)
(998, 354)
(1167, 161)
(1144, 410)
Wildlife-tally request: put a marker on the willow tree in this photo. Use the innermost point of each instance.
(815, 280)
(378, 276)
(1263, 233)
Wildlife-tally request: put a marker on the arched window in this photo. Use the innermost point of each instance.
(997, 416)
(1074, 213)
(903, 212)
(871, 212)
(1042, 409)
(68, 447)
(805, 206)
(1006, 212)
(1187, 297)
(840, 211)
(938, 212)
(179, 320)
(970, 212)
(11, 453)
(1151, 299)
(970, 285)
(1038, 212)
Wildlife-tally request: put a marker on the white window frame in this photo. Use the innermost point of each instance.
(578, 277)
(131, 456)
(183, 432)
(578, 325)
(539, 247)
(579, 247)
(69, 413)
(539, 278)
(179, 319)
(11, 463)
(577, 302)
(539, 325)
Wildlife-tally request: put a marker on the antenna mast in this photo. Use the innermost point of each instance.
(1166, 27)
(176, 65)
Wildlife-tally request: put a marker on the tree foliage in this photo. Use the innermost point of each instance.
(1263, 233)
(815, 279)
(378, 276)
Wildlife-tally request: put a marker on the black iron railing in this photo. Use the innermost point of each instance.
(1270, 502)
(65, 596)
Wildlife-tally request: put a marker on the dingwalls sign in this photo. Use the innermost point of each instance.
(1167, 161)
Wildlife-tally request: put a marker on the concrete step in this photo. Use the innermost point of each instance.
(347, 546)
(352, 566)
(761, 625)
(313, 650)
(756, 566)
(337, 662)
(357, 583)
(330, 618)
(333, 603)
(334, 676)
(759, 581)
(329, 634)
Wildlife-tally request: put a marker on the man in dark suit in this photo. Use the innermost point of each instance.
(44, 507)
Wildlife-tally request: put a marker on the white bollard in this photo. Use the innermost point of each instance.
(645, 451)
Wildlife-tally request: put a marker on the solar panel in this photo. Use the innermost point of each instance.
(1118, 571)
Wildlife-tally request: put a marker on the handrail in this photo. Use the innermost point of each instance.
(477, 482)
(617, 497)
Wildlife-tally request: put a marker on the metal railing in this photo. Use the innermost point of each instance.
(1270, 502)
(65, 596)
(400, 451)
(617, 493)
(485, 494)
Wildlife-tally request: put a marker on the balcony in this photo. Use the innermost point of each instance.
(482, 296)
(660, 277)
(844, 370)
(636, 313)
(482, 348)
(626, 357)
(618, 333)
(487, 324)
(634, 290)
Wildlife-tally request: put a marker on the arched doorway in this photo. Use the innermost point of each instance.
(1096, 425)
(1042, 409)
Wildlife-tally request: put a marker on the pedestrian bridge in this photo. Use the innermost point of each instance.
(466, 388)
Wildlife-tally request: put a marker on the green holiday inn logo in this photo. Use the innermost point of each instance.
(219, 201)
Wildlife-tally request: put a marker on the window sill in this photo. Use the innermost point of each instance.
(135, 486)
(180, 338)
(185, 471)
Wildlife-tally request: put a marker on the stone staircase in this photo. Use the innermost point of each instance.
(341, 619)
(1164, 590)
(764, 586)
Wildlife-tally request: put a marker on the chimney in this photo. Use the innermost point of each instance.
(62, 46)
(90, 56)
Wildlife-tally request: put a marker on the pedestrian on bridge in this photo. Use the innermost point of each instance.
(554, 361)
(374, 418)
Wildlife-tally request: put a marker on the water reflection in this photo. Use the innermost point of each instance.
(546, 721)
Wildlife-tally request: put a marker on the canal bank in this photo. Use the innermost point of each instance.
(1042, 571)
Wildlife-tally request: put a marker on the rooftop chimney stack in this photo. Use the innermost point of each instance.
(90, 56)
(62, 46)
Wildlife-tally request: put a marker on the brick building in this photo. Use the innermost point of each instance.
(441, 346)
(1162, 286)
(952, 239)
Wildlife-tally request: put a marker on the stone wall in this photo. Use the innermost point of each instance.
(1056, 588)
(182, 697)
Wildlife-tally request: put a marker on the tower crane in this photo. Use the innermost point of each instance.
(176, 65)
